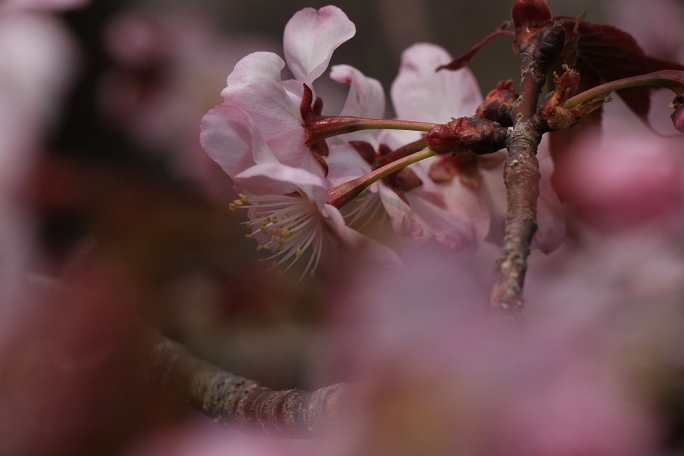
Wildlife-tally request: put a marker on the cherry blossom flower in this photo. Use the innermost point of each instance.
(454, 216)
(420, 210)
(288, 207)
(275, 106)
(420, 93)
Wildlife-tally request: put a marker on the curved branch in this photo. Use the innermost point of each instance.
(237, 401)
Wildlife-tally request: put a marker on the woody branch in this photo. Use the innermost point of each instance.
(538, 50)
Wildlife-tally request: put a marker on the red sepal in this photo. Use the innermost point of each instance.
(530, 14)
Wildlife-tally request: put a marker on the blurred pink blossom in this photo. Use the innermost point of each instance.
(167, 72)
(38, 61)
(440, 376)
(37, 5)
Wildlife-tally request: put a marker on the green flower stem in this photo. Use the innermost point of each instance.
(671, 79)
(326, 127)
(344, 193)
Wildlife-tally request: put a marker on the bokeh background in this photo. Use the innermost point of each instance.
(128, 219)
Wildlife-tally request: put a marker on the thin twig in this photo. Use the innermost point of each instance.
(239, 402)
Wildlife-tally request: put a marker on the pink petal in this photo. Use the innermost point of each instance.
(352, 238)
(230, 138)
(278, 179)
(290, 149)
(401, 217)
(473, 202)
(449, 227)
(345, 164)
(366, 97)
(310, 38)
(255, 86)
(419, 93)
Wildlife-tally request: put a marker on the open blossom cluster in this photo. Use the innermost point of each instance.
(284, 175)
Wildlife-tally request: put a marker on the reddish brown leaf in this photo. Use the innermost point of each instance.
(530, 13)
(613, 54)
(655, 64)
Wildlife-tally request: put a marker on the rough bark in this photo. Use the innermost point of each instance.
(538, 50)
(238, 401)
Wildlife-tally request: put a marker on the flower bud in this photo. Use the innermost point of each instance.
(481, 136)
(678, 114)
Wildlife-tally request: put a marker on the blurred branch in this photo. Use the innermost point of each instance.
(237, 401)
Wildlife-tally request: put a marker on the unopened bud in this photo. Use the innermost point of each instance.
(498, 104)
(481, 136)
(678, 114)
(678, 118)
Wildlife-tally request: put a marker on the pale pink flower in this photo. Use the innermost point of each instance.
(288, 207)
(255, 84)
(455, 219)
(422, 215)
(420, 93)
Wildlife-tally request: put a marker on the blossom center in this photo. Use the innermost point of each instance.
(286, 226)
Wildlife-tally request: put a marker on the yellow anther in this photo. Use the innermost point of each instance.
(248, 225)
(249, 236)
(268, 248)
(312, 274)
(299, 253)
(242, 197)
(260, 248)
(285, 233)
(264, 231)
(232, 206)
(238, 202)
(273, 238)
(257, 214)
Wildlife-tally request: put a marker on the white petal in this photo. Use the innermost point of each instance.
(419, 93)
(345, 164)
(449, 226)
(366, 97)
(255, 86)
(229, 137)
(310, 38)
(278, 179)
(401, 217)
(372, 249)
